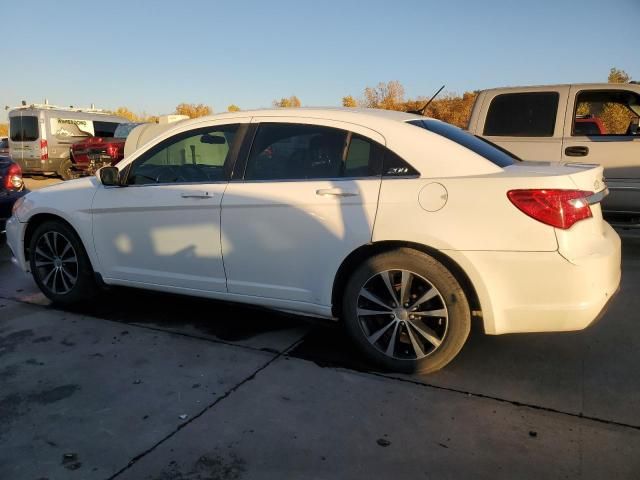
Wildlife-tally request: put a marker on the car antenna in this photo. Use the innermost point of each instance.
(423, 109)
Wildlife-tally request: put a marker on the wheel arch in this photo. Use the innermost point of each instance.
(355, 258)
(38, 219)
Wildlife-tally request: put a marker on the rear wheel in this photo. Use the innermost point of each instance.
(406, 312)
(59, 264)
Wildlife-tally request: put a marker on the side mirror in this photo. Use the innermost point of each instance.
(109, 176)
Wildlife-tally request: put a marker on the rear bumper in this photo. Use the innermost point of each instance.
(37, 166)
(542, 291)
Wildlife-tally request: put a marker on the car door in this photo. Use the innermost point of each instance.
(604, 130)
(307, 197)
(163, 227)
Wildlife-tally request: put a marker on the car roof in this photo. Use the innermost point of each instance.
(365, 116)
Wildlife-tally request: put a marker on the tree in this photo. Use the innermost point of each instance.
(291, 102)
(349, 102)
(4, 129)
(192, 110)
(618, 76)
(233, 108)
(388, 96)
(615, 116)
(126, 113)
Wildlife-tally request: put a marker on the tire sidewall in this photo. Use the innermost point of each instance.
(459, 315)
(84, 288)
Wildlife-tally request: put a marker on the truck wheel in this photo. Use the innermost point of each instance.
(65, 171)
(60, 265)
(406, 312)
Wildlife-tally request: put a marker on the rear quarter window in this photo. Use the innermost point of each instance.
(522, 115)
(494, 154)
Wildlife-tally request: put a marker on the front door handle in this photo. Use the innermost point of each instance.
(334, 192)
(202, 195)
(576, 151)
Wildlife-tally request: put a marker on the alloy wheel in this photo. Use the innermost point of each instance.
(56, 262)
(402, 314)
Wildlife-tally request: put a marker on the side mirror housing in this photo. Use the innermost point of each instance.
(109, 176)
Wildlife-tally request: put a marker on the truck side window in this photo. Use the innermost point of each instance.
(606, 112)
(522, 115)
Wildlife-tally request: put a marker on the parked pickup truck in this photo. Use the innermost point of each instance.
(88, 155)
(581, 123)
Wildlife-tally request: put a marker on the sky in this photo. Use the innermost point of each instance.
(152, 55)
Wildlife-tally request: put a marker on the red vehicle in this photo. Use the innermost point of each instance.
(589, 125)
(93, 153)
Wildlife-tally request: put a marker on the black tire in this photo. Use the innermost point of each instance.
(65, 170)
(84, 288)
(451, 329)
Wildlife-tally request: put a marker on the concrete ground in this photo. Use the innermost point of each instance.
(151, 386)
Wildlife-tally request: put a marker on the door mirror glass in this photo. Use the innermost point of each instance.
(109, 176)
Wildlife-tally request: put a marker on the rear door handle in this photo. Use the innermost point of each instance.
(576, 151)
(202, 195)
(334, 192)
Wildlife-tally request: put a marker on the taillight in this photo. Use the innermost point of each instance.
(13, 179)
(112, 151)
(44, 150)
(558, 208)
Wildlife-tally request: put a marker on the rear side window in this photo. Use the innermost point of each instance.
(495, 155)
(287, 151)
(24, 128)
(522, 115)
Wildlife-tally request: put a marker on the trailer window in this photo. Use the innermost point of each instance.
(24, 128)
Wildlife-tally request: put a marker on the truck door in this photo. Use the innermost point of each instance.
(527, 122)
(602, 127)
(24, 136)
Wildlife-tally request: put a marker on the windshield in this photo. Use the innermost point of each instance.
(497, 155)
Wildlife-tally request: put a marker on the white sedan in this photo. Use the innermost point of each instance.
(404, 228)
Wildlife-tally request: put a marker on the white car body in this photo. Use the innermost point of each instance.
(281, 244)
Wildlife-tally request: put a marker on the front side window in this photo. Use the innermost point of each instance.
(24, 128)
(299, 152)
(195, 156)
(522, 115)
(612, 112)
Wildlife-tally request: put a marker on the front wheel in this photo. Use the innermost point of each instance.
(59, 264)
(406, 312)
